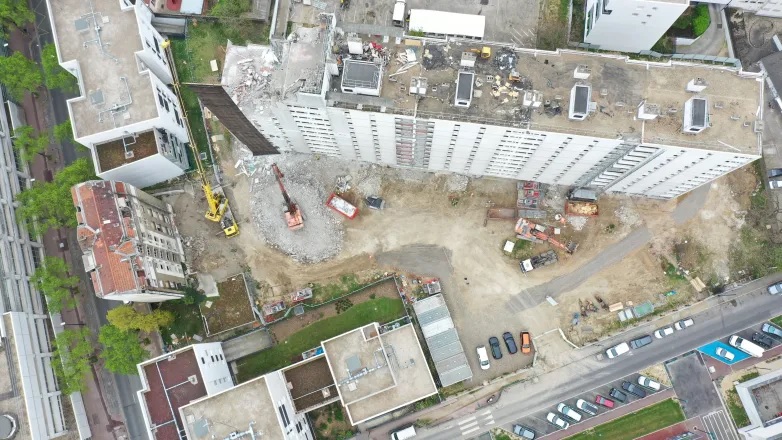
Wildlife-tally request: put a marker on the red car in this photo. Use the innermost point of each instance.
(600, 400)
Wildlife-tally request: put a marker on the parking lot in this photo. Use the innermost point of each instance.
(693, 385)
(538, 423)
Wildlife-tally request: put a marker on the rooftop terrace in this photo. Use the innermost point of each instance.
(311, 384)
(112, 154)
(106, 58)
(618, 87)
(244, 407)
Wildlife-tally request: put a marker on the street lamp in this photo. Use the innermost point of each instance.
(63, 324)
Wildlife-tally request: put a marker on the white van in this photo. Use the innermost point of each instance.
(483, 358)
(746, 346)
(398, 19)
(403, 434)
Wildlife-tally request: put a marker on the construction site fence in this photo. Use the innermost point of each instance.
(315, 306)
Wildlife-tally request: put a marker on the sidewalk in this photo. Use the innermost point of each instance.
(105, 418)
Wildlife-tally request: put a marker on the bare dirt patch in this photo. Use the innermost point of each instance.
(231, 309)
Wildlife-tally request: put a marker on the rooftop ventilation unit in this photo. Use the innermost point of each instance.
(418, 86)
(193, 379)
(532, 98)
(580, 97)
(647, 111)
(355, 45)
(696, 115)
(468, 59)
(582, 72)
(696, 85)
(464, 84)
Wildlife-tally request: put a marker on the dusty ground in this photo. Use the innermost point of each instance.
(421, 231)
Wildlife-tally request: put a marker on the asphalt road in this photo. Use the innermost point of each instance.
(740, 308)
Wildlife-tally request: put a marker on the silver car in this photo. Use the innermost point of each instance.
(774, 184)
(557, 421)
(775, 288)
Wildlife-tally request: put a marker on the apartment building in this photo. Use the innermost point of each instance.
(132, 248)
(566, 117)
(125, 113)
(629, 25)
(31, 394)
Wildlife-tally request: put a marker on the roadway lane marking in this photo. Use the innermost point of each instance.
(471, 424)
(488, 411)
(469, 419)
(718, 423)
(470, 430)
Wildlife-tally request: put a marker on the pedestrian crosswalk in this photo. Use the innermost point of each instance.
(718, 426)
(472, 425)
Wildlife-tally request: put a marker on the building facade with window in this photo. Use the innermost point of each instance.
(132, 248)
(125, 112)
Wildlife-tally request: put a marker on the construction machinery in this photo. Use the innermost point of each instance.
(218, 208)
(292, 213)
(535, 233)
(484, 52)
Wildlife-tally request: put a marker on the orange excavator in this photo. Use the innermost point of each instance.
(538, 233)
(292, 213)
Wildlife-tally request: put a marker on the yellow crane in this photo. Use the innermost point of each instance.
(218, 208)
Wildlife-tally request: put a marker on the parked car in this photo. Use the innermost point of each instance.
(586, 407)
(526, 343)
(683, 324)
(524, 432)
(725, 354)
(633, 389)
(617, 350)
(483, 358)
(510, 343)
(774, 184)
(494, 343)
(775, 288)
(648, 383)
(557, 421)
(663, 332)
(569, 412)
(600, 400)
(640, 342)
(618, 395)
(746, 346)
(764, 341)
(771, 329)
(775, 172)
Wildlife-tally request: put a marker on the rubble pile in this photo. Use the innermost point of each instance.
(456, 183)
(435, 57)
(505, 59)
(627, 216)
(577, 222)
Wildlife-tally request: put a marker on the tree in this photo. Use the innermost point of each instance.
(75, 350)
(52, 279)
(63, 132)
(55, 77)
(15, 13)
(121, 350)
(49, 205)
(19, 74)
(127, 318)
(28, 144)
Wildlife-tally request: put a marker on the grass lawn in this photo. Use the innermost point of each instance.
(637, 424)
(777, 320)
(285, 352)
(187, 320)
(735, 407)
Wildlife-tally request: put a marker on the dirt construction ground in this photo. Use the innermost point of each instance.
(431, 229)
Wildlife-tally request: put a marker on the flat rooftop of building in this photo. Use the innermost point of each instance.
(768, 400)
(358, 363)
(617, 89)
(406, 359)
(243, 407)
(310, 383)
(11, 391)
(171, 389)
(112, 154)
(110, 72)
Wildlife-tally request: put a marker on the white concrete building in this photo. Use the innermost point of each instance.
(569, 118)
(767, 8)
(629, 25)
(125, 114)
(32, 393)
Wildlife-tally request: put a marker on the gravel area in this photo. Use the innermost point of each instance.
(577, 222)
(627, 216)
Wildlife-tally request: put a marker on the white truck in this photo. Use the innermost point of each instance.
(398, 19)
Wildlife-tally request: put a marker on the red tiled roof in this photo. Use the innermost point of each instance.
(112, 250)
(168, 382)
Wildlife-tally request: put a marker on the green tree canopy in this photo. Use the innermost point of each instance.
(49, 204)
(52, 279)
(15, 13)
(55, 77)
(19, 74)
(28, 143)
(75, 349)
(127, 318)
(63, 132)
(121, 350)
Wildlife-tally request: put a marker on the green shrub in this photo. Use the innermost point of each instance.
(701, 21)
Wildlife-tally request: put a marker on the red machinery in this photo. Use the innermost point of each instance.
(292, 213)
